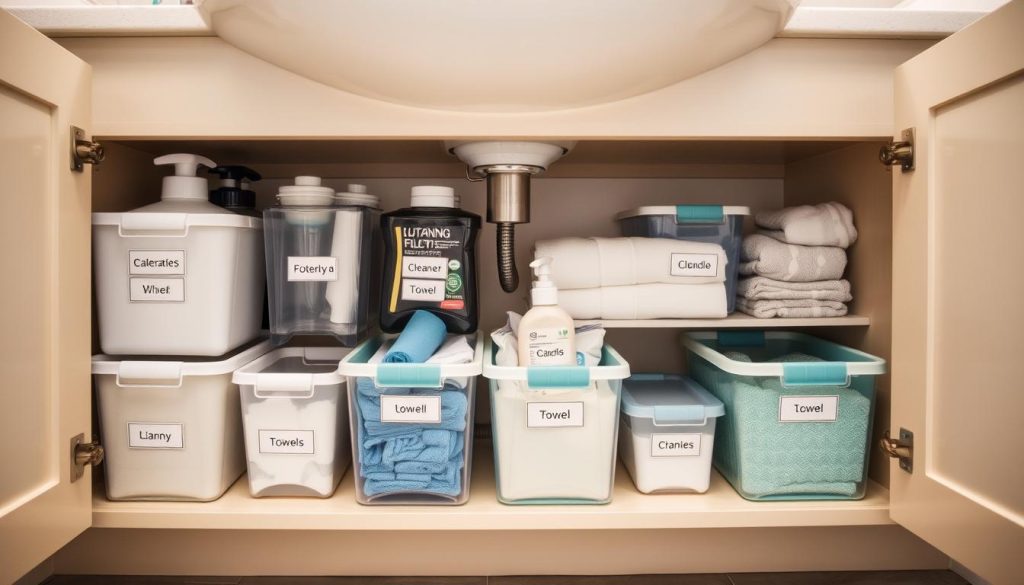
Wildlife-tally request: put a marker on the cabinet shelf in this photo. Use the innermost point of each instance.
(734, 321)
(720, 507)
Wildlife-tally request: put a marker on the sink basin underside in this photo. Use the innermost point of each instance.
(497, 55)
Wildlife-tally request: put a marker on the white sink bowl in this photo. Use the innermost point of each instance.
(497, 55)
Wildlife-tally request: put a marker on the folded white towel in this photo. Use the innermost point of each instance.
(580, 263)
(646, 301)
(769, 257)
(826, 224)
(791, 308)
(759, 288)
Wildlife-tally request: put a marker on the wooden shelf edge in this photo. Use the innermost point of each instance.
(734, 321)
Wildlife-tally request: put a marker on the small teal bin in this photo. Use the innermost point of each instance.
(798, 412)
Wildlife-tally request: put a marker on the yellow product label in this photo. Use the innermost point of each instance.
(397, 279)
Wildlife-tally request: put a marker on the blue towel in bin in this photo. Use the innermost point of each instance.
(426, 458)
(423, 334)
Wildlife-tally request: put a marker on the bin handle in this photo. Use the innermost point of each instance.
(799, 374)
(286, 386)
(558, 377)
(166, 225)
(155, 371)
(696, 214)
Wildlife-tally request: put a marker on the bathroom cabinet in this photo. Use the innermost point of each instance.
(797, 121)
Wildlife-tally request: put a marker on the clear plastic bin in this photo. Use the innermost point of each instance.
(172, 430)
(422, 453)
(295, 421)
(321, 270)
(555, 430)
(715, 224)
(668, 433)
(798, 412)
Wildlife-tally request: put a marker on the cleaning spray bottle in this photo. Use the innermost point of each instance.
(547, 335)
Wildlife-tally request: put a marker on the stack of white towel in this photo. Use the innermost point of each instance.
(637, 278)
(796, 263)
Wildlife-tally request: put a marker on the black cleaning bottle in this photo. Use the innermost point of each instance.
(430, 262)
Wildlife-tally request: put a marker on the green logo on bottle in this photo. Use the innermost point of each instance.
(453, 283)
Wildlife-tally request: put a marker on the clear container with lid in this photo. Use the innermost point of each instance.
(321, 261)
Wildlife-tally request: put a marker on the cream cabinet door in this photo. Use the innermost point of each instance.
(44, 297)
(958, 297)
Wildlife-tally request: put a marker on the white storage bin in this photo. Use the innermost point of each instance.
(295, 421)
(171, 429)
(555, 430)
(668, 433)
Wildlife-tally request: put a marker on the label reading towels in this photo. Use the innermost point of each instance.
(808, 408)
(554, 414)
(410, 409)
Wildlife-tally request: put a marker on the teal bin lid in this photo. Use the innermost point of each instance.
(669, 399)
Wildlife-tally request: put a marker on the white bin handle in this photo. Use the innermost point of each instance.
(155, 374)
(149, 225)
(284, 386)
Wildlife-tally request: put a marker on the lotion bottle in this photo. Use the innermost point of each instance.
(547, 335)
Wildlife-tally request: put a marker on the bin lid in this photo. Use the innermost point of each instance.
(669, 399)
(175, 367)
(292, 370)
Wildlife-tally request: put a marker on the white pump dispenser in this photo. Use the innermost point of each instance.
(547, 334)
(184, 184)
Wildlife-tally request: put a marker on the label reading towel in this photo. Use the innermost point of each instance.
(286, 442)
(694, 265)
(808, 408)
(410, 409)
(312, 268)
(156, 262)
(156, 290)
(675, 444)
(554, 415)
(156, 436)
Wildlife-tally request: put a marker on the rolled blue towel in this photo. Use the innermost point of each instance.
(423, 334)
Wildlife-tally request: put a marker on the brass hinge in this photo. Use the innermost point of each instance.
(83, 454)
(902, 449)
(83, 150)
(899, 152)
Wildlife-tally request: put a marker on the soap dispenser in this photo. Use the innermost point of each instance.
(547, 334)
(234, 193)
(183, 192)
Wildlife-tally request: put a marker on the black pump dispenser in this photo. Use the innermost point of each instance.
(233, 193)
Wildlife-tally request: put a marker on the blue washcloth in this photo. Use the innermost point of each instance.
(423, 334)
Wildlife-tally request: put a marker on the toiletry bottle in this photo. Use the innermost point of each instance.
(183, 192)
(234, 192)
(430, 262)
(547, 335)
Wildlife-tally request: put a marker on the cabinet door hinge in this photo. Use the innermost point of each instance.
(901, 448)
(83, 454)
(899, 152)
(83, 150)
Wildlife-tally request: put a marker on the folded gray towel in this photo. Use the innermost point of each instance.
(790, 308)
(760, 288)
(826, 224)
(764, 256)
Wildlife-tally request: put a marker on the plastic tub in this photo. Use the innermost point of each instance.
(171, 429)
(177, 283)
(320, 268)
(295, 422)
(716, 224)
(555, 430)
(798, 412)
(668, 433)
(428, 435)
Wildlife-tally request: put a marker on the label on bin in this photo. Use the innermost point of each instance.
(694, 265)
(288, 442)
(156, 436)
(553, 415)
(808, 408)
(156, 290)
(312, 268)
(156, 262)
(431, 268)
(410, 409)
(675, 444)
(422, 290)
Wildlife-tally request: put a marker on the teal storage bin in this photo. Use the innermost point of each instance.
(798, 412)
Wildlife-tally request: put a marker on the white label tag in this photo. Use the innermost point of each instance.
(156, 436)
(694, 265)
(418, 267)
(150, 262)
(290, 442)
(422, 290)
(808, 408)
(554, 414)
(312, 268)
(549, 346)
(156, 290)
(675, 444)
(410, 409)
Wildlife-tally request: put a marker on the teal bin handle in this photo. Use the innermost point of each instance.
(796, 374)
(700, 214)
(409, 376)
(679, 414)
(558, 377)
(740, 338)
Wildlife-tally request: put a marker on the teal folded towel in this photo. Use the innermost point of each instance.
(423, 334)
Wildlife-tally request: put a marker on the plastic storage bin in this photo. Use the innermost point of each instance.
(667, 433)
(555, 430)
(171, 429)
(295, 421)
(798, 412)
(321, 260)
(716, 224)
(422, 453)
